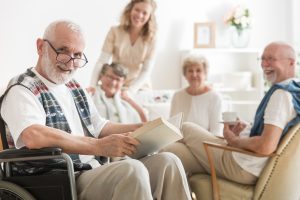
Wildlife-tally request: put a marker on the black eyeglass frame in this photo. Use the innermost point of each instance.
(71, 58)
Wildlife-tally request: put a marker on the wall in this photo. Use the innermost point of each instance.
(21, 22)
(295, 27)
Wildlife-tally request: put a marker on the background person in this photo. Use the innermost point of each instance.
(198, 101)
(131, 44)
(111, 103)
(56, 112)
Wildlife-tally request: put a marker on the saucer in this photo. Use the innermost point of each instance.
(230, 123)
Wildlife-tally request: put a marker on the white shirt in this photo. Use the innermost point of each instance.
(115, 108)
(279, 111)
(21, 109)
(138, 58)
(204, 110)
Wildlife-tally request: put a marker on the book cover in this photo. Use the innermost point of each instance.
(154, 136)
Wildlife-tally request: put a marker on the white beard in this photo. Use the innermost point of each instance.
(50, 70)
(271, 78)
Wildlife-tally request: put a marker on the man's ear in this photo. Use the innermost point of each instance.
(39, 46)
(293, 62)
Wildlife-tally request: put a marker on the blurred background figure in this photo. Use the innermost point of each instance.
(131, 44)
(110, 101)
(198, 101)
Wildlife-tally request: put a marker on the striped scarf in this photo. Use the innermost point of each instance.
(55, 117)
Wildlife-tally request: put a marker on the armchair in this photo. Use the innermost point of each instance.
(279, 179)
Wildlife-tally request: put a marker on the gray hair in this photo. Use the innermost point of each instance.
(118, 69)
(50, 30)
(195, 60)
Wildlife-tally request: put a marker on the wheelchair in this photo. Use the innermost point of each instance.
(44, 186)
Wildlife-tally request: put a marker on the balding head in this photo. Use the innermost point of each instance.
(279, 62)
(282, 49)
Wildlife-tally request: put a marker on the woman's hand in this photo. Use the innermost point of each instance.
(91, 90)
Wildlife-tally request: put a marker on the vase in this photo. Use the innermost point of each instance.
(240, 37)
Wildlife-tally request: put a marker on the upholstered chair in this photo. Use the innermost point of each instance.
(279, 180)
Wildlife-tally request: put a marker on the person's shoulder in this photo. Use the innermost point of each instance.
(116, 29)
(215, 95)
(214, 92)
(153, 40)
(26, 78)
(18, 92)
(181, 91)
(99, 91)
(281, 93)
(177, 94)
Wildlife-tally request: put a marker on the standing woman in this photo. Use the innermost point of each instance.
(131, 44)
(198, 101)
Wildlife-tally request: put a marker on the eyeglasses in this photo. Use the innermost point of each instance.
(271, 59)
(65, 58)
(111, 78)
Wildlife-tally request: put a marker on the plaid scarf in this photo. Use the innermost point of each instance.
(55, 117)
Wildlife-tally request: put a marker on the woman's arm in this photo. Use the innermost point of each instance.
(136, 106)
(103, 58)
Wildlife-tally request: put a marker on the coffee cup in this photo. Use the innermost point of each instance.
(229, 116)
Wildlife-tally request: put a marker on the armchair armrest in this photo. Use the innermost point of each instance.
(235, 149)
(215, 187)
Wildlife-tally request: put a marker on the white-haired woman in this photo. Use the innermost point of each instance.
(198, 101)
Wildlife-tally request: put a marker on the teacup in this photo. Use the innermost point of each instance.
(229, 116)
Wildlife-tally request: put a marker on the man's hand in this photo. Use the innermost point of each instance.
(238, 127)
(118, 145)
(232, 132)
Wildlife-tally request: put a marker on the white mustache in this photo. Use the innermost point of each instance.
(63, 67)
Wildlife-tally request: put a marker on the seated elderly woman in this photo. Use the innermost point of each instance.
(198, 101)
(111, 102)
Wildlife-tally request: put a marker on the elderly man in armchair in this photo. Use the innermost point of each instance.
(278, 111)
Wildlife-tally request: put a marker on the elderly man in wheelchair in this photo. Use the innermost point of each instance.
(48, 115)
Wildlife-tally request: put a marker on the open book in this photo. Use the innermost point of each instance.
(157, 134)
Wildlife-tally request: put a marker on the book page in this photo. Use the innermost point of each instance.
(154, 136)
(176, 120)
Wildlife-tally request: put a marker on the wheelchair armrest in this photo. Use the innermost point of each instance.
(24, 152)
(11, 155)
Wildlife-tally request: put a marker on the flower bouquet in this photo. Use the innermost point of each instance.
(239, 18)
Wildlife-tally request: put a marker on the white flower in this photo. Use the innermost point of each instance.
(239, 17)
(245, 22)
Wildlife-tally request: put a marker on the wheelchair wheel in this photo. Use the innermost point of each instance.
(11, 191)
